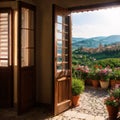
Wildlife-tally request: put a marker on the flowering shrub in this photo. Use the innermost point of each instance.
(104, 73)
(94, 72)
(114, 97)
(82, 72)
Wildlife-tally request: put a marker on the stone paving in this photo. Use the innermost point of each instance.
(91, 108)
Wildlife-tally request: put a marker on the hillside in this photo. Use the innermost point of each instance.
(94, 41)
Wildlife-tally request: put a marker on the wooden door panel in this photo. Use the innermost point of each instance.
(6, 87)
(63, 89)
(62, 60)
(27, 83)
(26, 58)
(27, 88)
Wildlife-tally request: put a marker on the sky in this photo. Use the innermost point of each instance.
(102, 22)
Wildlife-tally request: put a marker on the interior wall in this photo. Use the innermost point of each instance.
(44, 52)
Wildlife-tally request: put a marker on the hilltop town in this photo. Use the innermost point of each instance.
(101, 48)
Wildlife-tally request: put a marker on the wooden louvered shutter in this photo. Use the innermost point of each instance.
(4, 50)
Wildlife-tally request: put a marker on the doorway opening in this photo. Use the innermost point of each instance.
(96, 47)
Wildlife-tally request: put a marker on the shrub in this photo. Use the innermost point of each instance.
(77, 86)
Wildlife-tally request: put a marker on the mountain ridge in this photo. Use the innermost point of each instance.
(94, 42)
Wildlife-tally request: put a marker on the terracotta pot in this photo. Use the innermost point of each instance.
(76, 100)
(95, 83)
(113, 83)
(112, 112)
(104, 84)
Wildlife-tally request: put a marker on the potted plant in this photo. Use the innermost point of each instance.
(104, 77)
(112, 79)
(115, 77)
(93, 75)
(112, 103)
(77, 89)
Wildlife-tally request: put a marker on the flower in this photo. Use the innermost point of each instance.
(114, 97)
(105, 73)
(82, 71)
(94, 72)
(112, 101)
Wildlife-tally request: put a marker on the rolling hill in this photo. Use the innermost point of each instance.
(95, 41)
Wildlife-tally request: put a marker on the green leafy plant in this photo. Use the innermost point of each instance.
(116, 74)
(77, 86)
(114, 97)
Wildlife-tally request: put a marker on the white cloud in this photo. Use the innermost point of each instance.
(109, 25)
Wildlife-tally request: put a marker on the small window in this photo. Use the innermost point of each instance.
(27, 37)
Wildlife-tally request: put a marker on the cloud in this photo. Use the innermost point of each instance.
(90, 26)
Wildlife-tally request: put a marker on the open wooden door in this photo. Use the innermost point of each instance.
(6, 64)
(26, 57)
(62, 60)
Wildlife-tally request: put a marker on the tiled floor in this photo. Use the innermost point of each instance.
(91, 108)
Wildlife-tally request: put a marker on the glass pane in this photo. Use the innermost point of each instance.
(31, 19)
(59, 51)
(59, 44)
(59, 67)
(62, 44)
(25, 14)
(27, 38)
(24, 57)
(27, 47)
(31, 38)
(59, 59)
(59, 36)
(59, 27)
(59, 19)
(27, 52)
(24, 38)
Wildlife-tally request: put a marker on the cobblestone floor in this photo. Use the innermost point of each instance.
(91, 108)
